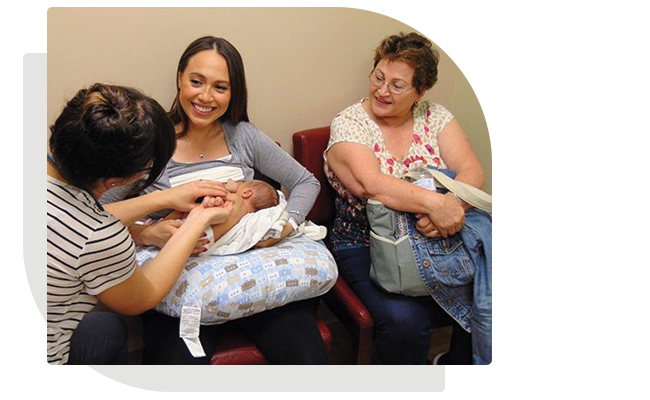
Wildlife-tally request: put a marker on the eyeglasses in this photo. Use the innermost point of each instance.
(393, 87)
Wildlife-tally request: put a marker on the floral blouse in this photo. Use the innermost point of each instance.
(355, 125)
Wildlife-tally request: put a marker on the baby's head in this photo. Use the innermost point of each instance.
(257, 195)
(262, 195)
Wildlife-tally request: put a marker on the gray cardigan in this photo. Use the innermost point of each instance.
(250, 150)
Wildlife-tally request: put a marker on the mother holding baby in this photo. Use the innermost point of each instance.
(215, 139)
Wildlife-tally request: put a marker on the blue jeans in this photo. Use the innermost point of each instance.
(403, 324)
(100, 339)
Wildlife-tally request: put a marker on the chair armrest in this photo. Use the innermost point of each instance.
(356, 309)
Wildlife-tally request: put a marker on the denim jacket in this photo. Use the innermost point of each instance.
(447, 265)
(457, 272)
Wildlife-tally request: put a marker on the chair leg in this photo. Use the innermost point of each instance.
(365, 346)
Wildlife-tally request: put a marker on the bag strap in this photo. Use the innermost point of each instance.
(468, 193)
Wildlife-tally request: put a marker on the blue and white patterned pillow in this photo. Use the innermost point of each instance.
(236, 286)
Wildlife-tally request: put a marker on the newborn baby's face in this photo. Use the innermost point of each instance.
(232, 197)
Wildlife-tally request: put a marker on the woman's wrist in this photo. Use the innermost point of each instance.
(293, 223)
(455, 197)
(138, 233)
(198, 218)
(466, 206)
(158, 200)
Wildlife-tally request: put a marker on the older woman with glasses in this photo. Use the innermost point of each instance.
(373, 144)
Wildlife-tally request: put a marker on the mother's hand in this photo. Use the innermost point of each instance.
(183, 197)
(158, 233)
(271, 241)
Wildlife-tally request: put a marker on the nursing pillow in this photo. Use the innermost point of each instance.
(236, 286)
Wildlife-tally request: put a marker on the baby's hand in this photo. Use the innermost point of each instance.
(231, 186)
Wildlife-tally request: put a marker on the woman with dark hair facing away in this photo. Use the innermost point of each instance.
(215, 140)
(372, 145)
(110, 136)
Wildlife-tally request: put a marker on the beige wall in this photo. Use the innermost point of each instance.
(303, 65)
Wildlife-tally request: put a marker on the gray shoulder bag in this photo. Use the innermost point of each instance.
(392, 265)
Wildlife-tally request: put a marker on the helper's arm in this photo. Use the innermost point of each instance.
(148, 285)
(181, 198)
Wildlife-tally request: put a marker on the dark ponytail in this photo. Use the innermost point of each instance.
(110, 131)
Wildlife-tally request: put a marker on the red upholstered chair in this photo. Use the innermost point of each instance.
(308, 147)
(235, 349)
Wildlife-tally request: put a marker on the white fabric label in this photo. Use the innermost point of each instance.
(189, 330)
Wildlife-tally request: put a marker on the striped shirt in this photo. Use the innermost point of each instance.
(88, 251)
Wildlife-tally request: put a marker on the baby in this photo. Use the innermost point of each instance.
(245, 197)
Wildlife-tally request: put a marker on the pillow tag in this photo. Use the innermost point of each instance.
(189, 330)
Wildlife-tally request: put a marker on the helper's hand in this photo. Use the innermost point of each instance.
(184, 197)
(209, 215)
(217, 211)
(209, 201)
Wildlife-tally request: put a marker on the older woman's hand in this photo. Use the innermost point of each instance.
(447, 218)
(184, 197)
(425, 226)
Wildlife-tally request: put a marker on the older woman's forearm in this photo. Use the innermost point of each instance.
(402, 195)
(472, 175)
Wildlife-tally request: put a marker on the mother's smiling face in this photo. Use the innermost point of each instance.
(205, 89)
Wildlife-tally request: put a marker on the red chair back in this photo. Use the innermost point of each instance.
(308, 148)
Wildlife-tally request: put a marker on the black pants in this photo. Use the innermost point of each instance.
(101, 338)
(286, 335)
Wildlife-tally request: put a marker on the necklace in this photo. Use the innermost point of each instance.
(192, 145)
(215, 131)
